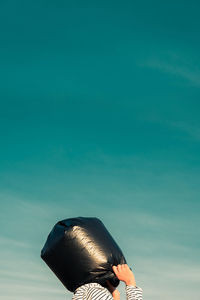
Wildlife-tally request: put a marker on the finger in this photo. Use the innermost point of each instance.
(123, 266)
(119, 267)
(126, 266)
(115, 269)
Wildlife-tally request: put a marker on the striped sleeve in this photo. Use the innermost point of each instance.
(133, 292)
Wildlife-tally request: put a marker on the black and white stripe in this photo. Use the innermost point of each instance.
(94, 291)
(133, 292)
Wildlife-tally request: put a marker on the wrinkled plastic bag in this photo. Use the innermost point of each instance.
(81, 250)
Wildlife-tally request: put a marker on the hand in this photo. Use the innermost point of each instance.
(115, 293)
(124, 274)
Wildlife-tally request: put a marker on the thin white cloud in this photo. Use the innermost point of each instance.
(166, 278)
(13, 243)
(13, 274)
(190, 130)
(192, 76)
(176, 65)
(23, 287)
(168, 269)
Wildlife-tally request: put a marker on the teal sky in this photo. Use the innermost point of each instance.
(100, 116)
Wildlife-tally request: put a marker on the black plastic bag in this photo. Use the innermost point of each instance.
(81, 250)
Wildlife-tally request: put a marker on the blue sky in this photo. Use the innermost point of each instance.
(99, 117)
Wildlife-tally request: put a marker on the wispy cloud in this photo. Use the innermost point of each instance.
(190, 130)
(31, 288)
(175, 65)
(13, 243)
(12, 274)
(153, 274)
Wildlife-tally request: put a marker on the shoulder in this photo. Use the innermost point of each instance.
(92, 291)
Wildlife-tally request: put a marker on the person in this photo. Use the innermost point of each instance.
(94, 291)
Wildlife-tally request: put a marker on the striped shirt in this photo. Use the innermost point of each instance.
(94, 291)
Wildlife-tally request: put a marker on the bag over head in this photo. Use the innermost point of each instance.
(81, 250)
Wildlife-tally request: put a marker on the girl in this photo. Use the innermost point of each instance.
(94, 291)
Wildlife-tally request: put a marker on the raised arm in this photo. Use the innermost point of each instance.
(124, 273)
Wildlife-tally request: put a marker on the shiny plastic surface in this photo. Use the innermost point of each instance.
(81, 250)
